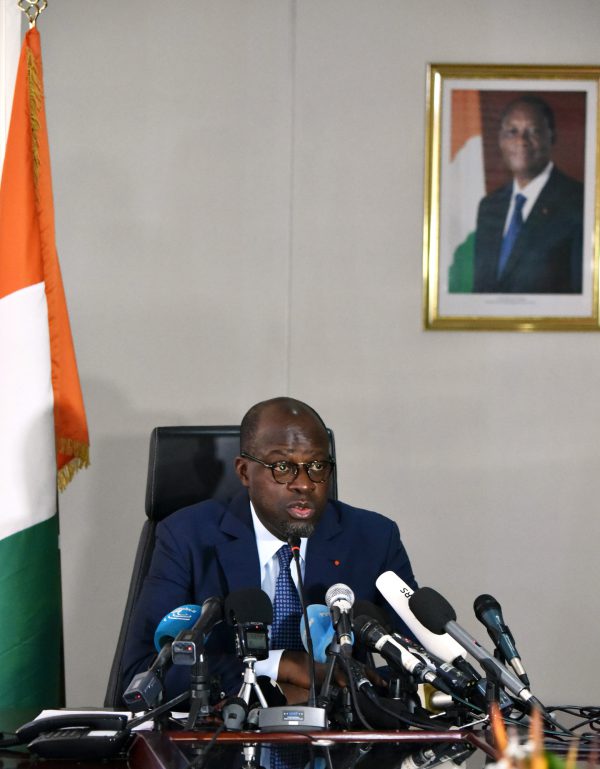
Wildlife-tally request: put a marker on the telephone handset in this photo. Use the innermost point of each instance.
(76, 735)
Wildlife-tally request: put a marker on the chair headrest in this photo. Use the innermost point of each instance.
(188, 465)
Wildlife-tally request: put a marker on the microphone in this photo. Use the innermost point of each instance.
(370, 633)
(340, 599)
(428, 757)
(145, 689)
(321, 630)
(489, 612)
(188, 642)
(459, 682)
(434, 611)
(397, 593)
(249, 611)
(171, 624)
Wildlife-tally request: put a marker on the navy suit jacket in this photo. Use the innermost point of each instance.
(209, 549)
(547, 257)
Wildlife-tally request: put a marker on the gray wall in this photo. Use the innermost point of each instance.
(238, 189)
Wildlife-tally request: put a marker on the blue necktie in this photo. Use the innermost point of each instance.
(287, 609)
(512, 232)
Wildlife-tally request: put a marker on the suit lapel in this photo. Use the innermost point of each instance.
(238, 555)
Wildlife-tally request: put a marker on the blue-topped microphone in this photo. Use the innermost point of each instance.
(181, 618)
(321, 630)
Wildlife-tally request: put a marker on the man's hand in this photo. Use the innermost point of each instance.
(294, 675)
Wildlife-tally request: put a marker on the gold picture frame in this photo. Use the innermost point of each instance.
(488, 124)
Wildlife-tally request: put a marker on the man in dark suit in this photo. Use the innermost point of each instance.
(211, 549)
(529, 233)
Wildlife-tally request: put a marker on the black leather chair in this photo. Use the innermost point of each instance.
(186, 465)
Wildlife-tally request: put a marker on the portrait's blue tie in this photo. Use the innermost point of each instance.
(514, 228)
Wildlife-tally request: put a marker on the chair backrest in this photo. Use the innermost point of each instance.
(186, 465)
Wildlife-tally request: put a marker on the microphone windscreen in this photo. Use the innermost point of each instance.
(432, 609)
(397, 593)
(181, 618)
(251, 604)
(321, 630)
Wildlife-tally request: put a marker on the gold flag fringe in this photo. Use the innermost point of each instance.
(35, 101)
(81, 459)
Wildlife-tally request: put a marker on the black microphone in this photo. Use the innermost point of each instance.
(370, 633)
(489, 612)
(146, 688)
(438, 616)
(340, 599)
(189, 642)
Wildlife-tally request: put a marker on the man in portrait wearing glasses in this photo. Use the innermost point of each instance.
(529, 233)
(211, 549)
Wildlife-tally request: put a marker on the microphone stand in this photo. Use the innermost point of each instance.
(200, 707)
(294, 543)
(324, 698)
(250, 684)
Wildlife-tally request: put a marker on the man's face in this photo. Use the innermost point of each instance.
(525, 142)
(293, 508)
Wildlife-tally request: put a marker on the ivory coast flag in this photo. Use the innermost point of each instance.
(467, 182)
(43, 430)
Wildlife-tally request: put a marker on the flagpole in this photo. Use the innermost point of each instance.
(32, 9)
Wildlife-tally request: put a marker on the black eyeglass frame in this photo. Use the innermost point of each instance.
(330, 462)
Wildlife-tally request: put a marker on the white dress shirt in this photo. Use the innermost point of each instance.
(531, 191)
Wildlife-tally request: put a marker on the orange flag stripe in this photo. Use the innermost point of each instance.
(28, 250)
(466, 118)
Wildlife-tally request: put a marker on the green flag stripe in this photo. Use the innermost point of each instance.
(30, 618)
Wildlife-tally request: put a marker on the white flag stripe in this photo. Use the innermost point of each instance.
(27, 449)
(467, 182)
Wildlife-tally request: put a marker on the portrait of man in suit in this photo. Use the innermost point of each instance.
(529, 233)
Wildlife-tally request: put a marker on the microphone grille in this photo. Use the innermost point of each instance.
(337, 592)
(484, 602)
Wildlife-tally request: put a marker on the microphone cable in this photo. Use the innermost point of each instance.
(347, 665)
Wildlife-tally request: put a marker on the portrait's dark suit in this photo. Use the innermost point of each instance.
(209, 549)
(547, 256)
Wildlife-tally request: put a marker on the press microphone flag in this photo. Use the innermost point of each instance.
(397, 593)
(321, 630)
(181, 618)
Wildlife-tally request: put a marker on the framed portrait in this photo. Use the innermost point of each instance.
(511, 206)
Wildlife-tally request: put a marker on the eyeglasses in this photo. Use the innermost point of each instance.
(283, 472)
